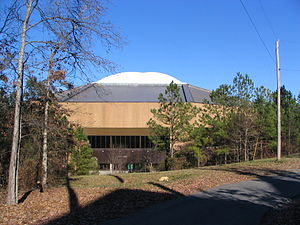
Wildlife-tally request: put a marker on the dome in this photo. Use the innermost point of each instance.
(139, 78)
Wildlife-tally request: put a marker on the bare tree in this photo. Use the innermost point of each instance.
(71, 28)
(12, 188)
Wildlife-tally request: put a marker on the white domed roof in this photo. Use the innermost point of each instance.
(139, 78)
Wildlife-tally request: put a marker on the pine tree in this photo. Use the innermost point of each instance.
(172, 120)
(81, 160)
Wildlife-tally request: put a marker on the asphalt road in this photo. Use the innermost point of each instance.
(242, 203)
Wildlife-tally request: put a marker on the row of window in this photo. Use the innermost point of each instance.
(120, 142)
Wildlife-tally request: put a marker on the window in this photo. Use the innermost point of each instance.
(120, 142)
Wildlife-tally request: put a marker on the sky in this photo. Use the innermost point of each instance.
(206, 42)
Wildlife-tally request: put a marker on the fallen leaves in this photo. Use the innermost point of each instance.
(101, 198)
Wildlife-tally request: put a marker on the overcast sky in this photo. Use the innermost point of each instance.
(206, 42)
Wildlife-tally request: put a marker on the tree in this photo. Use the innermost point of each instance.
(172, 120)
(81, 160)
(265, 122)
(240, 122)
(242, 129)
(6, 109)
(14, 158)
(72, 27)
(60, 141)
(231, 119)
(290, 120)
(199, 141)
(58, 75)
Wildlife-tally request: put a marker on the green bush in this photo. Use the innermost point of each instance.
(81, 160)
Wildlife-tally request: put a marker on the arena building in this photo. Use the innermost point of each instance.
(114, 112)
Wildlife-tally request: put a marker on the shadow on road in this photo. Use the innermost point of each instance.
(113, 205)
(242, 203)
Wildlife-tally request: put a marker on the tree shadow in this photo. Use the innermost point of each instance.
(120, 179)
(260, 173)
(176, 193)
(240, 203)
(24, 197)
(114, 205)
(26, 194)
(73, 203)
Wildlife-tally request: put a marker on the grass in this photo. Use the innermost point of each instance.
(142, 180)
(103, 197)
(136, 180)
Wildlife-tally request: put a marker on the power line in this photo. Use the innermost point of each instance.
(268, 20)
(255, 28)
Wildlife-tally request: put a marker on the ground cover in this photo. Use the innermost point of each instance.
(95, 199)
(288, 214)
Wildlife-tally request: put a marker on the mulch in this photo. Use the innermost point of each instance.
(86, 205)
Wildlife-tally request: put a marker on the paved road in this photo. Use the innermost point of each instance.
(242, 203)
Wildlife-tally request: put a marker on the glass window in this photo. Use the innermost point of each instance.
(134, 142)
(94, 141)
(127, 141)
(113, 138)
(123, 142)
(97, 142)
(107, 141)
(143, 141)
(120, 142)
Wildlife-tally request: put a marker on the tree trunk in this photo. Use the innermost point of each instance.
(289, 141)
(171, 151)
(45, 144)
(246, 146)
(255, 148)
(172, 142)
(261, 149)
(12, 187)
(46, 118)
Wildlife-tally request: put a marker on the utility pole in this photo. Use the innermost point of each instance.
(278, 103)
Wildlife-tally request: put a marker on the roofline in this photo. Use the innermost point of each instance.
(129, 102)
(136, 84)
(203, 89)
(77, 90)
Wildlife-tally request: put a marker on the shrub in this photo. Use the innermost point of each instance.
(81, 160)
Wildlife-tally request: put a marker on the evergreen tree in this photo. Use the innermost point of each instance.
(60, 136)
(172, 121)
(6, 120)
(231, 121)
(200, 140)
(243, 120)
(266, 141)
(290, 120)
(81, 160)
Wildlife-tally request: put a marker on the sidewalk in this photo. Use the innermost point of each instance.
(242, 203)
